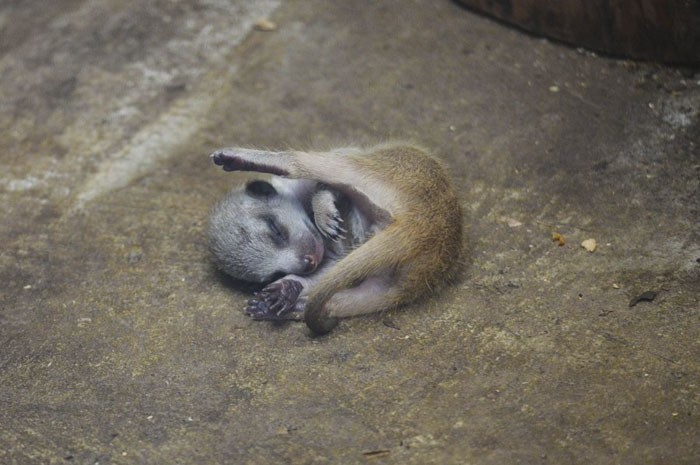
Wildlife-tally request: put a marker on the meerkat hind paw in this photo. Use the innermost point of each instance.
(261, 312)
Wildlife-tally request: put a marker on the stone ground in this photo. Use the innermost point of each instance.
(120, 344)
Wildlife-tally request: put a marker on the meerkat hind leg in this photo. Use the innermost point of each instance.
(323, 166)
(374, 294)
(374, 199)
(261, 161)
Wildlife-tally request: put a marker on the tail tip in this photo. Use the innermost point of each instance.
(320, 323)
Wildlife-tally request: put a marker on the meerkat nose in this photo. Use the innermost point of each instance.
(310, 263)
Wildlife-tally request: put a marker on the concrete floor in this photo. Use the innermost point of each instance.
(120, 344)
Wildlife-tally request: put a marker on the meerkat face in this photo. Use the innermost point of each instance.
(261, 233)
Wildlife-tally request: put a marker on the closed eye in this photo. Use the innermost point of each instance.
(278, 232)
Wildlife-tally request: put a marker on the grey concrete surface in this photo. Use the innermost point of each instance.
(120, 344)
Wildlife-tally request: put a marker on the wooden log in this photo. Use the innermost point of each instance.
(658, 30)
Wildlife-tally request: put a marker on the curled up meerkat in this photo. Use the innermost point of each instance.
(337, 234)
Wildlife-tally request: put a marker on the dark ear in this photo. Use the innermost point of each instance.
(262, 189)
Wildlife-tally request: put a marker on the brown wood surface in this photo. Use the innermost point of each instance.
(660, 30)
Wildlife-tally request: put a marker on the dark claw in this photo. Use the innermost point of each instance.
(216, 157)
(338, 233)
(334, 230)
(256, 310)
(260, 312)
(231, 162)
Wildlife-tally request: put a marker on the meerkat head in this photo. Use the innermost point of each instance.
(261, 232)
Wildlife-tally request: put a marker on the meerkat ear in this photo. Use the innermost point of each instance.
(262, 189)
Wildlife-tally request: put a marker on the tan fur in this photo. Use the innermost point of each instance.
(419, 249)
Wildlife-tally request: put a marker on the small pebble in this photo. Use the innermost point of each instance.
(589, 244)
(264, 25)
(559, 239)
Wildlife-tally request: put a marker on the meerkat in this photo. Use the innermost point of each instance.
(282, 231)
(347, 232)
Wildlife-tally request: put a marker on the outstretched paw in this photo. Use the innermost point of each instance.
(326, 215)
(245, 160)
(277, 301)
(230, 161)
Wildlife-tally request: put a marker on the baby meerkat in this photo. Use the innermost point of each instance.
(347, 232)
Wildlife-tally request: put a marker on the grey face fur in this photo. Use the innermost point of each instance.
(263, 231)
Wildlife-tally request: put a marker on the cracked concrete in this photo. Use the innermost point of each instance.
(119, 343)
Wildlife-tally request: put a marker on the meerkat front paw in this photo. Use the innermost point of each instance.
(277, 301)
(326, 215)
